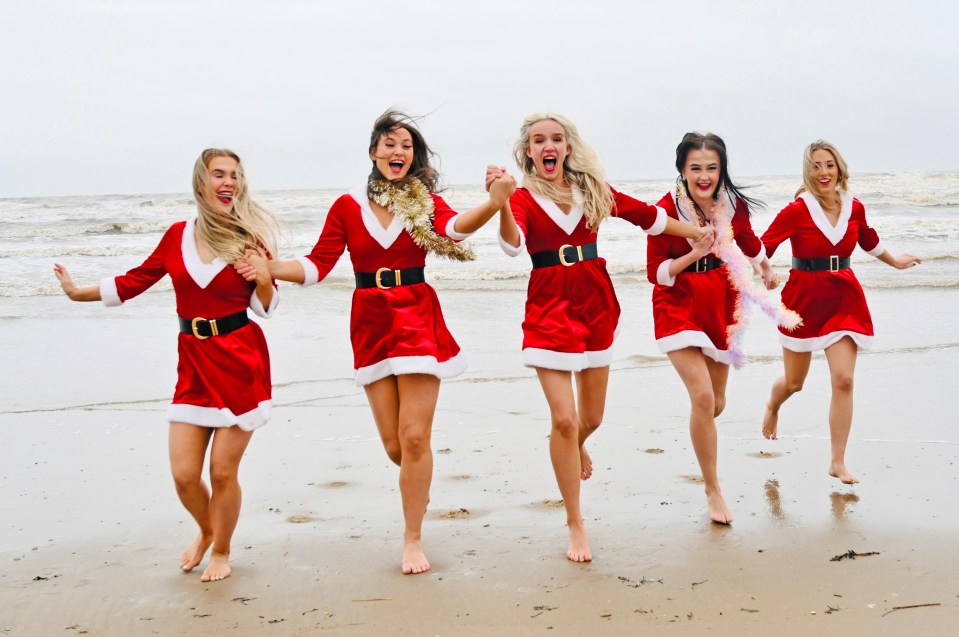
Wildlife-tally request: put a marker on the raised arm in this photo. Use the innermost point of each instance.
(472, 220)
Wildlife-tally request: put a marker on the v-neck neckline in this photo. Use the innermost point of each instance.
(834, 233)
(567, 221)
(201, 273)
(384, 236)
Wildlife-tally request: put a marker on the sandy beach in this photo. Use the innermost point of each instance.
(91, 528)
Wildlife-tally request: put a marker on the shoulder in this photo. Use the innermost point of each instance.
(795, 207)
(667, 203)
(522, 198)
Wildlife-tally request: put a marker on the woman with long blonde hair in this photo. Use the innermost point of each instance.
(823, 225)
(571, 309)
(223, 389)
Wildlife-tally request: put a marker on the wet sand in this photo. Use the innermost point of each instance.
(90, 529)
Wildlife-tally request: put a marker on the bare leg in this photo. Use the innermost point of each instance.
(188, 445)
(384, 400)
(841, 357)
(691, 365)
(403, 407)
(229, 443)
(718, 378)
(591, 387)
(796, 368)
(565, 456)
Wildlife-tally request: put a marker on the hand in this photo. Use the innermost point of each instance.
(66, 281)
(501, 188)
(906, 260)
(255, 266)
(703, 245)
(770, 278)
(704, 232)
(493, 173)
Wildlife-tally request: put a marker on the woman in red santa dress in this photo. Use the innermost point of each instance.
(223, 389)
(823, 225)
(697, 308)
(572, 313)
(401, 345)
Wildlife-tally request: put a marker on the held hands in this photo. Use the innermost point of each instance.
(770, 278)
(703, 245)
(494, 173)
(500, 189)
(255, 266)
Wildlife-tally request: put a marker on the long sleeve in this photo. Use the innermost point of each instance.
(330, 246)
(657, 251)
(118, 290)
(868, 238)
(444, 219)
(652, 219)
(518, 208)
(781, 228)
(745, 236)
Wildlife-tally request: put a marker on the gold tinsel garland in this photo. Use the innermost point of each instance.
(413, 205)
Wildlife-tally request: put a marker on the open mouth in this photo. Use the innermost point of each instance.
(225, 197)
(396, 167)
(549, 164)
(704, 187)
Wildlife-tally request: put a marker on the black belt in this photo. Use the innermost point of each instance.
(205, 328)
(832, 264)
(567, 255)
(384, 278)
(704, 265)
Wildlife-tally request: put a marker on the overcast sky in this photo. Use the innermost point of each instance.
(120, 96)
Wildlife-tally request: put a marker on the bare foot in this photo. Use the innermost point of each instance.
(217, 569)
(578, 550)
(414, 560)
(718, 511)
(585, 462)
(770, 423)
(194, 553)
(838, 470)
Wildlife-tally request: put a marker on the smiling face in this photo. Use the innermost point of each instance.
(393, 154)
(702, 173)
(548, 149)
(825, 172)
(221, 184)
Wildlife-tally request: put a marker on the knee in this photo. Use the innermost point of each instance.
(842, 382)
(719, 404)
(591, 422)
(793, 386)
(186, 477)
(703, 400)
(222, 475)
(394, 451)
(566, 425)
(414, 443)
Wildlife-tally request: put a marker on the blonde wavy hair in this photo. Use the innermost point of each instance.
(809, 169)
(581, 170)
(250, 226)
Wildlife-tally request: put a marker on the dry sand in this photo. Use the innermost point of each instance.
(90, 529)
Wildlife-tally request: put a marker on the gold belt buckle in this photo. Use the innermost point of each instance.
(397, 278)
(196, 331)
(701, 265)
(562, 254)
(834, 264)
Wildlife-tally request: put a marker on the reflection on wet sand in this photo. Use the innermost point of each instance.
(840, 501)
(773, 500)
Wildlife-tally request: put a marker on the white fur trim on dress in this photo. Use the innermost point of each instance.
(836, 233)
(659, 226)
(759, 257)
(311, 275)
(108, 292)
(411, 365)
(692, 338)
(213, 417)
(662, 274)
(512, 250)
(455, 234)
(816, 343)
(201, 273)
(384, 236)
(257, 306)
(567, 361)
(877, 251)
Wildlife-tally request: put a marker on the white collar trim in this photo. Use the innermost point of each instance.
(833, 233)
(566, 222)
(383, 236)
(201, 273)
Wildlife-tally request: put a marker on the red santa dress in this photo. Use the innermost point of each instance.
(572, 313)
(399, 330)
(222, 380)
(832, 304)
(695, 309)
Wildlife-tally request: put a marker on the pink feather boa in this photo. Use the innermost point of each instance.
(740, 273)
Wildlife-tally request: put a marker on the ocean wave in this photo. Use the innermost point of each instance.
(72, 251)
(66, 229)
(21, 291)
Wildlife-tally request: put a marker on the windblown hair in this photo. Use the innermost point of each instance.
(709, 141)
(250, 226)
(421, 167)
(581, 170)
(809, 169)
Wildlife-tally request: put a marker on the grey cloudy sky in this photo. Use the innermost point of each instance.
(119, 96)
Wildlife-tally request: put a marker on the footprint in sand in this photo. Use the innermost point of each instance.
(334, 485)
(462, 476)
(693, 478)
(764, 454)
(461, 513)
(444, 452)
(654, 451)
(548, 504)
(300, 519)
